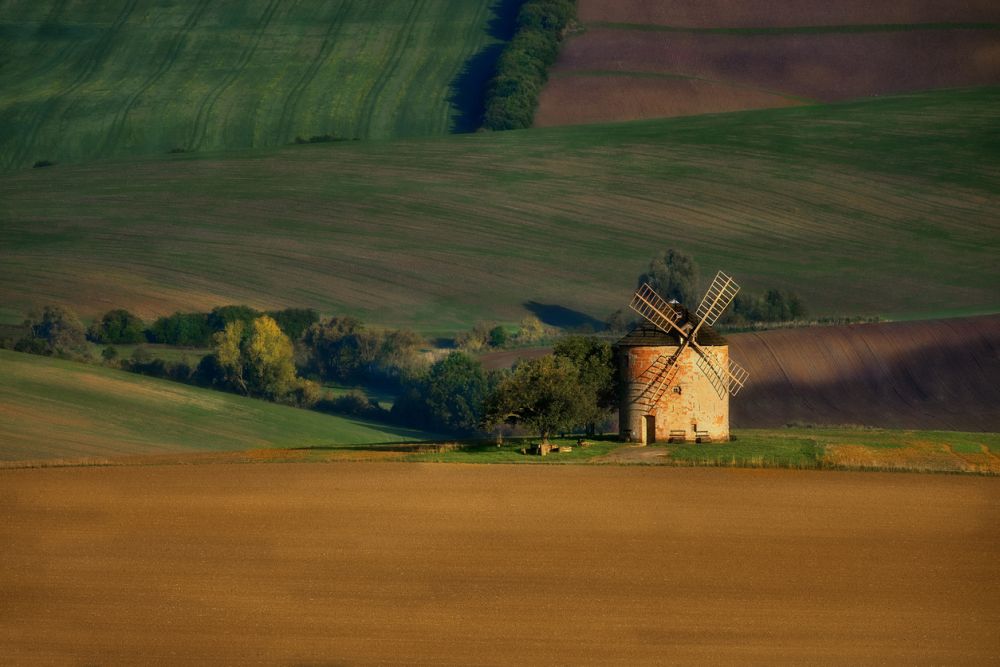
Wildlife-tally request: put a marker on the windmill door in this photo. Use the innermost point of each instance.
(650, 423)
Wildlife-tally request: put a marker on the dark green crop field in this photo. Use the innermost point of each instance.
(91, 78)
(885, 206)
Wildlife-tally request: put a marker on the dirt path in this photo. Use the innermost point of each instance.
(450, 564)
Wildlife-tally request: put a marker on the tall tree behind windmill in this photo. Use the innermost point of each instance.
(673, 275)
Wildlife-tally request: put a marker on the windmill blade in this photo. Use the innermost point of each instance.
(737, 377)
(661, 373)
(720, 294)
(653, 308)
(730, 377)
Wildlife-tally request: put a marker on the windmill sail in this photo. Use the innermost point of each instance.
(651, 306)
(720, 294)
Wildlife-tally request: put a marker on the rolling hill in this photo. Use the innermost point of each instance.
(883, 206)
(92, 79)
(54, 409)
(641, 59)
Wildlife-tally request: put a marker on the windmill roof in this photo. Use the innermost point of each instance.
(647, 334)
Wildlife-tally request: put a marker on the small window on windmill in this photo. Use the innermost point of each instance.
(678, 390)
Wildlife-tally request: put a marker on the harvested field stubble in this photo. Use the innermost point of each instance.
(446, 564)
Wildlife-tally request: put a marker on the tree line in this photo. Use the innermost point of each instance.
(522, 68)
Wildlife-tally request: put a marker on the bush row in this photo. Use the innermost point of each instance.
(523, 66)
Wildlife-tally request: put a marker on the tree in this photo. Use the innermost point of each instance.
(594, 361)
(258, 361)
(269, 359)
(118, 326)
(229, 355)
(498, 336)
(673, 275)
(449, 398)
(544, 394)
(59, 330)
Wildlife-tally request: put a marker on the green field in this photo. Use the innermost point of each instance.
(886, 206)
(54, 409)
(92, 79)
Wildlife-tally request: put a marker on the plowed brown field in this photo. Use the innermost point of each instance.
(451, 564)
(603, 75)
(932, 375)
(767, 13)
(773, 55)
(573, 99)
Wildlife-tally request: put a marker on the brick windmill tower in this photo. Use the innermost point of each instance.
(676, 374)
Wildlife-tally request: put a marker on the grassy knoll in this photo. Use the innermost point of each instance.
(54, 409)
(885, 206)
(93, 79)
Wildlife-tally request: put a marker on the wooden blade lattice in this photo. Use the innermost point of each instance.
(659, 376)
(720, 294)
(651, 306)
(722, 378)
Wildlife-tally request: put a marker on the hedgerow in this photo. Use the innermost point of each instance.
(523, 66)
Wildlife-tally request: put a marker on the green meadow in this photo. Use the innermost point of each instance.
(55, 409)
(880, 207)
(92, 79)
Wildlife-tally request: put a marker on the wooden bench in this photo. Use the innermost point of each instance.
(677, 435)
(702, 436)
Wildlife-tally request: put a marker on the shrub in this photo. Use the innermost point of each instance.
(43, 163)
(186, 329)
(522, 68)
(117, 326)
(56, 330)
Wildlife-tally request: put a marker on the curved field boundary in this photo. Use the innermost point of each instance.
(121, 117)
(92, 62)
(87, 81)
(389, 69)
(291, 104)
(203, 117)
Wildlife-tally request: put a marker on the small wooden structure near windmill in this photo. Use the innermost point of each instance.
(675, 370)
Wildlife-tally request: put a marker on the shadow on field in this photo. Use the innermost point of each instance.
(564, 318)
(468, 89)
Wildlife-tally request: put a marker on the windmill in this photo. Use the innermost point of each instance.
(665, 353)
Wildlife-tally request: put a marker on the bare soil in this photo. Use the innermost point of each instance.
(766, 13)
(932, 375)
(824, 67)
(450, 564)
(575, 99)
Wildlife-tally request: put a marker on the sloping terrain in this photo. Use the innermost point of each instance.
(93, 78)
(880, 207)
(941, 374)
(54, 409)
(643, 59)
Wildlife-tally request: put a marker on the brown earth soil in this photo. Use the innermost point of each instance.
(931, 375)
(450, 564)
(766, 13)
(577, 99)
(824, 67)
